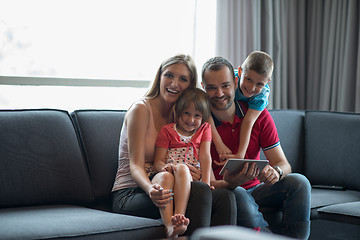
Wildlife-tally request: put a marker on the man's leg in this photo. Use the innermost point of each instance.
(248, 214)
(292, 194)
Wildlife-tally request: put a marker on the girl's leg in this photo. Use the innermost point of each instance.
(182, 187)
(166, 181)
(182, 192)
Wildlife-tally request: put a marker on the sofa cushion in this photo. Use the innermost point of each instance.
(290, 126)
(99, 131)
(40, 159)
(349, 209)
(344, 212)
(324, 197)
(332, 148)
(68, 221)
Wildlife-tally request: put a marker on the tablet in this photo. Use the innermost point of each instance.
(237, 164)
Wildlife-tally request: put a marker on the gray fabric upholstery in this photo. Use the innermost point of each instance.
(290, 126)
(40, 159)
(99, 131)
(324, 197)
(60, 221)
(349, 209)
(332, 148)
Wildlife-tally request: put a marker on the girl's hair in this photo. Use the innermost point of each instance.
(196, 96)
(187, 60)
(260, 62)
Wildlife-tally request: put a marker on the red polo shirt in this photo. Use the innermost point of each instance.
(264, 135)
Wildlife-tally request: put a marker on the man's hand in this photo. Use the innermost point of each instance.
(195, 172)
(269, 175)
(247, 173)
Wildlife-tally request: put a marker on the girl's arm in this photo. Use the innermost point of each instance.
(221, 148)
(205, 161)
(245, 131)
(160, 158)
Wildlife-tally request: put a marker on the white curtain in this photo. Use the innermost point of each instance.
(315, 45)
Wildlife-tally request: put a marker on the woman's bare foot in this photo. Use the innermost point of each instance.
(179, 225)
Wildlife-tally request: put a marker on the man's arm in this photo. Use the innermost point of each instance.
(276, 157)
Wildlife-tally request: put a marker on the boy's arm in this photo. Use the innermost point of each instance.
(221, 148)
(205, 161)
(245, 131)
(160, 157)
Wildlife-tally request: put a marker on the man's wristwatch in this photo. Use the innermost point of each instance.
(280, 171)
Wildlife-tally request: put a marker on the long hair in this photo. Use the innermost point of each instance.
(187, 60)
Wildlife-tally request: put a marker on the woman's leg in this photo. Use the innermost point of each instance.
(199, 207)
(135, 202)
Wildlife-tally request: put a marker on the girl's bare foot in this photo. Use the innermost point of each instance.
(179, 225)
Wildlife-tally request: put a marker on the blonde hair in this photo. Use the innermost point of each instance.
(187, 60)
(196, 96)
(260, 62)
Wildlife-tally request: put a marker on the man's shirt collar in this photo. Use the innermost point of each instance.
(239, 111)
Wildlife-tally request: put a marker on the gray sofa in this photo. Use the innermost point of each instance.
(57, 171)
(325, 147)
(56, 175)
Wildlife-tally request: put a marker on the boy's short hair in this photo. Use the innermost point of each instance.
(196, 96)
(260, 62)
(216, 64)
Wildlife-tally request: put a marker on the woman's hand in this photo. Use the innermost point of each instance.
(160, 196)
(195, 172)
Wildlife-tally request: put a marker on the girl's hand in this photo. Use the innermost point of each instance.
(169, 167)
(159, 196)
(195, 172)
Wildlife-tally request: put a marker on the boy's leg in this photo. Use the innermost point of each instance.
(292, 195)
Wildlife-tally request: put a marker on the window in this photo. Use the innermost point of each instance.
(95, 54)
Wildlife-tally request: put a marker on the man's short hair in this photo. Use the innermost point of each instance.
(216, 64)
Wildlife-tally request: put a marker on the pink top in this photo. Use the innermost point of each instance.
(182, 149)
(123, 176)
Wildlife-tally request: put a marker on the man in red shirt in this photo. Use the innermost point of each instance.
(275, 186)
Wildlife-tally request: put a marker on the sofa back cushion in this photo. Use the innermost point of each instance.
(99, 131)
(40, 159)
(333, 148)
(290, 126)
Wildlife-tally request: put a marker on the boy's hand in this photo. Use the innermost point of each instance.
(223, 151)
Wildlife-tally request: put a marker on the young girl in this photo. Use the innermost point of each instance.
(253, 77)
(187, 141)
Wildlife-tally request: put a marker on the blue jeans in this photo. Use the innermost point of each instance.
(292, 195)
